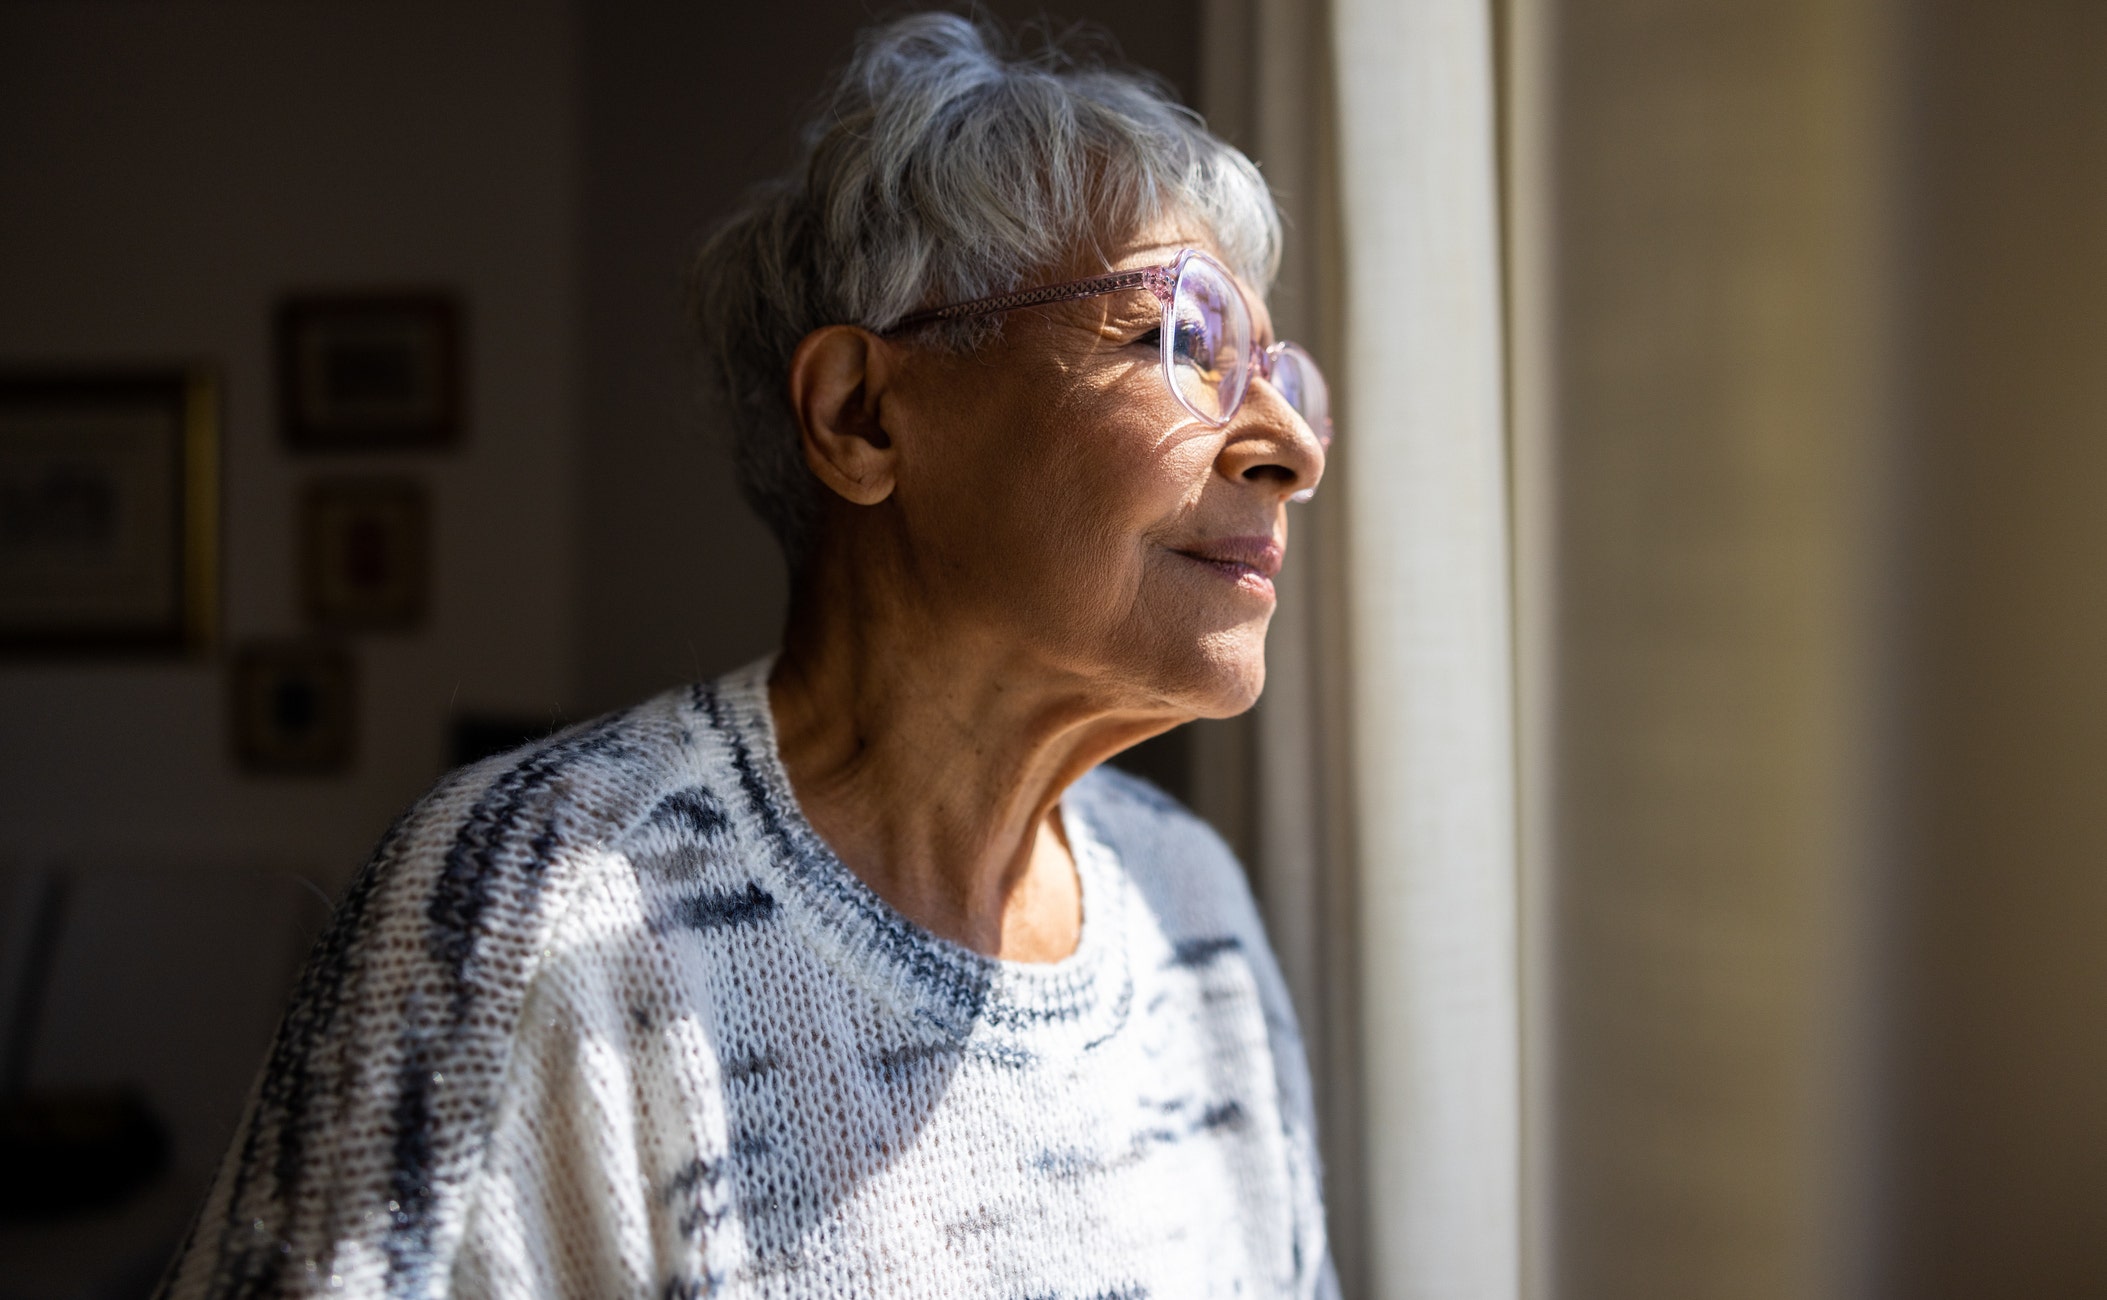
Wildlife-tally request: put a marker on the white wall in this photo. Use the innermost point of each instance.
(166, 172)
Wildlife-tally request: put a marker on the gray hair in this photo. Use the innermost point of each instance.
(939, 168)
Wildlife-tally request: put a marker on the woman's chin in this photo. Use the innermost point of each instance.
(1225, 675)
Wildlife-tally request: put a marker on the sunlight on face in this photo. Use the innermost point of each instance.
(1058, 495)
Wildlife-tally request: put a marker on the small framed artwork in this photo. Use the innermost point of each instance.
(366, 548)
(109, 511)
(369, 372)
(295, 707)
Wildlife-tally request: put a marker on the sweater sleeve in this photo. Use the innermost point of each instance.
(590, 1184)
(352, 1170)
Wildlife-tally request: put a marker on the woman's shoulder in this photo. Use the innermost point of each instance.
(521, 826)
(458, 897)
(582, 787)
(1178, 861)
(1114, 796)
(374, 1104)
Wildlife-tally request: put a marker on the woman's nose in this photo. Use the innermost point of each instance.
(1270, 444)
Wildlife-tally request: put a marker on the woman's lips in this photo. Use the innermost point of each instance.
(1249, 562)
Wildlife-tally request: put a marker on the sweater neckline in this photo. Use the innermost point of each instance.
(927, 978)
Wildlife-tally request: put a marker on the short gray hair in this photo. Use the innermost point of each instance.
(940, 167)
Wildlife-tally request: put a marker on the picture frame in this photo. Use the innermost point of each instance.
(295, 707)
(369, 371)
(109, 511)
(366, 553)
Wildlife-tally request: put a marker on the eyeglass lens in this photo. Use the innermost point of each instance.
(1302, 386)
(1208, 354)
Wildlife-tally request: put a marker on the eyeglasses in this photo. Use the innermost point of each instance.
(1210, 349)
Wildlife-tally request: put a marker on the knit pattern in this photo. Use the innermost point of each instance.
(604, 1018)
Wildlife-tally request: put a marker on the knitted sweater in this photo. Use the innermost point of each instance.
(605, 1017)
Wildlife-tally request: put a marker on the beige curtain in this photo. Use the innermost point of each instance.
(1800, 475)
(1695, 203)
(1381, 809)
(1427, 572)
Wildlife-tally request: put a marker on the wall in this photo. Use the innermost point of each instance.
(682, 107)
(166, 171)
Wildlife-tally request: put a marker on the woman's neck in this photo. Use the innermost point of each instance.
(934, 765)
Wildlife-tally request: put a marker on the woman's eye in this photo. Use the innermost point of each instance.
(1193, 346)
(1153, 339)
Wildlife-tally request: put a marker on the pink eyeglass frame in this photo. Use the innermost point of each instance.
(1162, 281)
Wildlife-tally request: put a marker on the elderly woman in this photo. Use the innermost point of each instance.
(853, 973)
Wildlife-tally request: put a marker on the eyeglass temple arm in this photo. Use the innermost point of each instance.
(1159, 280)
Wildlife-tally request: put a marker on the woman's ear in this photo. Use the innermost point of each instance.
(837, 377)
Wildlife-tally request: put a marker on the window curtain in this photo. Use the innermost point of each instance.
(1374, 787)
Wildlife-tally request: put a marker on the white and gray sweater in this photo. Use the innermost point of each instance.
(605, 1018)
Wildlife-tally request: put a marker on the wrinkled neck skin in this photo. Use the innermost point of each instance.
(931, 755)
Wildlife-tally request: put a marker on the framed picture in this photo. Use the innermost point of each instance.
(365, 372)
(366, 547)
(109, 511)
(295, 707)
